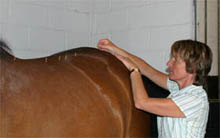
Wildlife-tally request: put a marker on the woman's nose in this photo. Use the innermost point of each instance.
(169, 62)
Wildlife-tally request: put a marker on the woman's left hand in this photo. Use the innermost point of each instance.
(127, 62)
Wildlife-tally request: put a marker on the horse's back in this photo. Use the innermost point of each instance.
(78, 93)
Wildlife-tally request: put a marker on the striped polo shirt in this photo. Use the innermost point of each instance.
(193, 102)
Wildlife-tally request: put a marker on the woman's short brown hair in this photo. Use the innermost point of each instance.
(197, 56)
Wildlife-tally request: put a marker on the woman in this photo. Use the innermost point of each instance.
(184, 113)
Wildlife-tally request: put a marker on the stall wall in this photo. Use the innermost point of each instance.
(147, 28)
(207, 28)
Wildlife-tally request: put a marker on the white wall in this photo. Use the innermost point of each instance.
(37, 28)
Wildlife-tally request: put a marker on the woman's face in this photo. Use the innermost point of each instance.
(177, 69)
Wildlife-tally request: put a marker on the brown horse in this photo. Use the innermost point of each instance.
(82, 92)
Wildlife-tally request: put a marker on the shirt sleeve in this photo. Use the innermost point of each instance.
(190, 104)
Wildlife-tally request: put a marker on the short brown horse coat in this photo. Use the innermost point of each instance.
(78, 93)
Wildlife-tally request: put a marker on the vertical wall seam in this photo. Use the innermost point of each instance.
(91, 21)
(195, 19)
(218, 48)
(206, 27)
